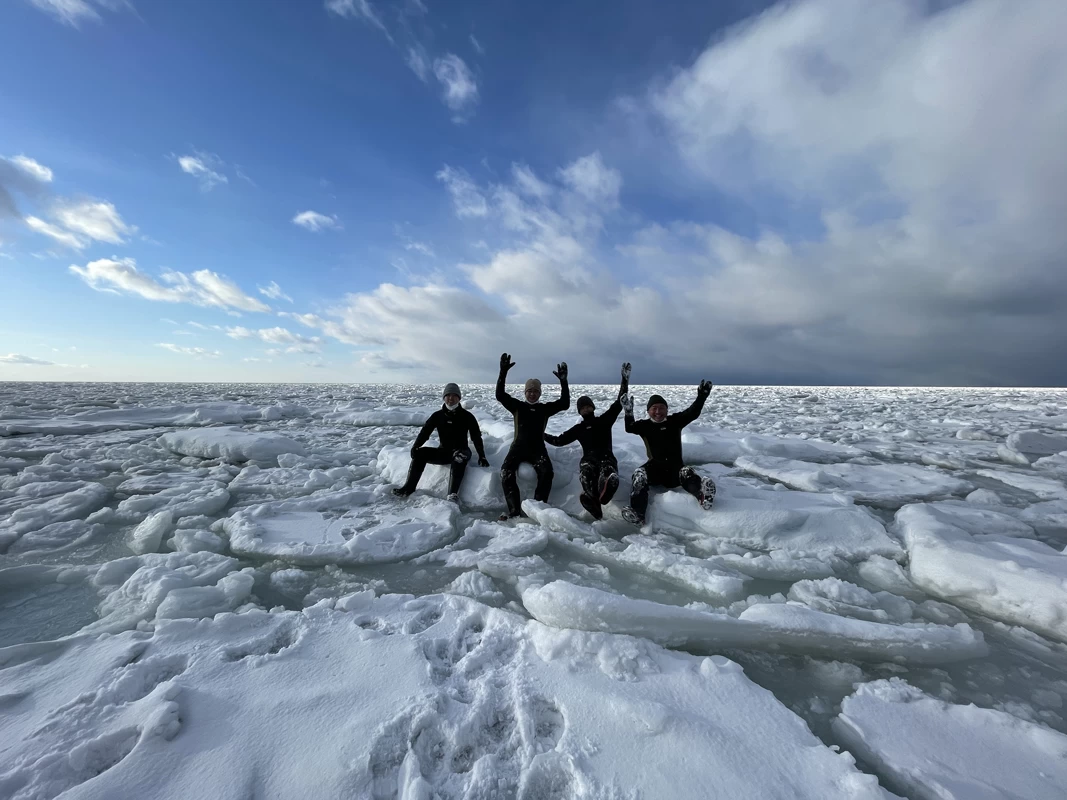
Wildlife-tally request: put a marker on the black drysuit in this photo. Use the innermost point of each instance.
(663, 445)
(529, 443)
(598, 470)
(452, 428)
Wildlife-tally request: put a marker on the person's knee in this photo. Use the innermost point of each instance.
(640, 479)
(461, 456)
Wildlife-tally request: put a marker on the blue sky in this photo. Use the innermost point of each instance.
(361, 190)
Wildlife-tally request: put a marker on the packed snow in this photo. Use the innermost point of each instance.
(211, 591)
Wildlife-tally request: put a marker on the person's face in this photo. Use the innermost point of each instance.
(533, 394)
(658, 412)
(586, 412)
(452, 399)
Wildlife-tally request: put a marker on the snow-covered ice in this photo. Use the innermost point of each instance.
(211, 591)
(927, 748)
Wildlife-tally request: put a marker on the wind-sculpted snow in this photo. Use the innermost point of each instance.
(211, 591)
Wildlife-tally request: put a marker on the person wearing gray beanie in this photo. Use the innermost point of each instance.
(453, 425)
(528, 446)
(662, 435)
(598, 471)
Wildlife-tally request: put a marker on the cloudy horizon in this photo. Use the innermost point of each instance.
(817, 192)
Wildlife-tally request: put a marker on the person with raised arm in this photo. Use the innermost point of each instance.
(453, 424)
(598, 471)
(528, 446)
(662, 435)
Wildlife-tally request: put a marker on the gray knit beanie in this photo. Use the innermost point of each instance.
(451, 388)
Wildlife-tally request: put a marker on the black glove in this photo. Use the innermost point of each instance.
(561, 371)
(626, 371)
(506, 363)
(483, 461)
(705, 388)
(627, 401)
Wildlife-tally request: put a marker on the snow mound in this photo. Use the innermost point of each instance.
(883, 485)
(329, 530)
(960, 554)
(774, 627)
(432, 697)
(930, 749)
(801, 523)
(230, 444)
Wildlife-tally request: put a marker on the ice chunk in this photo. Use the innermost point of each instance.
(301, 533)
(883, 485)
(1045, 488)
(434, 696)
(974, 435)
(197, 602)
(927, 748)
(230, 444)
(477, 586)
(801, 523)
(192, 540)
(36, 506)
(984, 497)
(380, 418)
(192, 499)
(799, 449)
(59, 536)
(1009, 456)
(845, 599)
(480, 487)
(958, 557)
(773, 627)
(147, 536)
(1037, 443)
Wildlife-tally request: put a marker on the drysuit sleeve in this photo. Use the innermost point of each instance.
(612, 413)
(683, 418)
(502, 397)
(564, 401)
(565, 438)
(427, 429)
(635, 425)
(475, 432)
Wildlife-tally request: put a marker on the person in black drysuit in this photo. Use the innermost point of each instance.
(529, 443)
(598, 470)
(662, 435)
(453, 423)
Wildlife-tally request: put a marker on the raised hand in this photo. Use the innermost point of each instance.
(705, 388)
(626, 371)
(506, 363)
(627, 401)
(561, 371)
(483, 462)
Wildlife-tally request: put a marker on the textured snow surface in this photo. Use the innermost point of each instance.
(928, 748)
(211, 591)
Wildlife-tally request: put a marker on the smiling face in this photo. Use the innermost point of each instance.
(658, 412)
(451, 400)
(533, 394)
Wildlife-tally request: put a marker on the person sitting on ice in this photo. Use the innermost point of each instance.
(529, 443)
(662, 435)
(598, 471)
(453, 423)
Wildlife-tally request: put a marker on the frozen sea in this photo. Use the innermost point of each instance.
(210, 591)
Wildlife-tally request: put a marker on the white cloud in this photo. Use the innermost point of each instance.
(357, 9)
(460, 88)
(202, 288)
(198, 352)
(274, 292)
(467, 199)
(315, 222)
(31, 167)
(16, 358)
(74, 12)
(292, 342)
(589, 177)
(420, 247)
(419, 62)
(254, 359)
(477, 46)
(528, 183)
(62, 236)
(204, 167)
(93, 219)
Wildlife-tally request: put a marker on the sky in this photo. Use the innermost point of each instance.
(810, 192)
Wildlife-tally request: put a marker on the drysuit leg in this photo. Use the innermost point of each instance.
(588, 473)
(419, 459)
(639, 491)
(509, 482)
(459, 466)
(608, 481)
(543, 467)
(689, 480)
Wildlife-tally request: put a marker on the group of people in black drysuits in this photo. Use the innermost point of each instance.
(598, 469)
